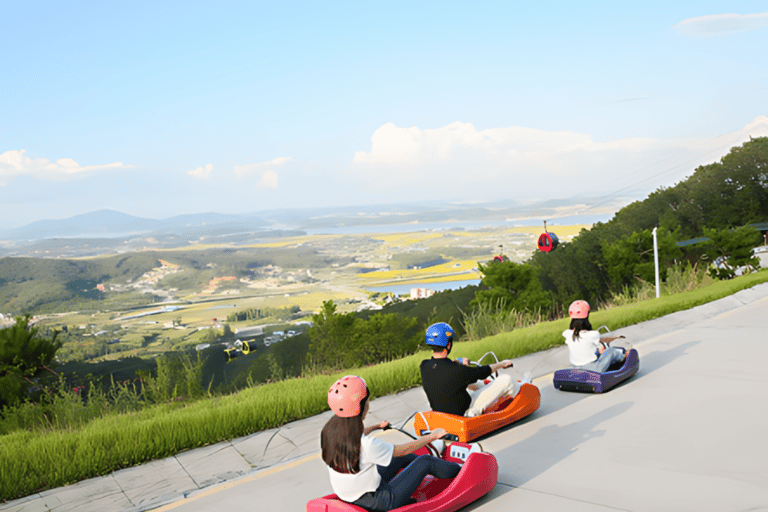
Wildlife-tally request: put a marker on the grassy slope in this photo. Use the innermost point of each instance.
(54, 459)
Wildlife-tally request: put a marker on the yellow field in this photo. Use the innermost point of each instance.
(406, 239)
(451, 271)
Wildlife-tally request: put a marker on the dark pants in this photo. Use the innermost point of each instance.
(396, 489)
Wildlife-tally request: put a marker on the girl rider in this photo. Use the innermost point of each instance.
(585, 346)
(364, 469)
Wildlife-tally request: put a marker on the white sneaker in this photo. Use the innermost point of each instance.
(475, 448)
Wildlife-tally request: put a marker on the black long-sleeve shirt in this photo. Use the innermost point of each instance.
(445, 383)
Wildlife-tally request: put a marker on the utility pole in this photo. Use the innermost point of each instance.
(656, 260)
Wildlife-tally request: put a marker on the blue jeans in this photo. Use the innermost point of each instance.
(610, 356)
(396, 489)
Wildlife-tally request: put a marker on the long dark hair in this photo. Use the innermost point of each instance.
(340, 441)
(580, 324)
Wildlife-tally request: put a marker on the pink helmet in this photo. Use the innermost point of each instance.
(346, 394)
(579, 309)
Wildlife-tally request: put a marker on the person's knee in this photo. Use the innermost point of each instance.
(504, 378)
(509, 384)
(424, 461)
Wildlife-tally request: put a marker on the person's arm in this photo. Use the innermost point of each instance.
(501, 365)
(608, 340)
(405, 449)
(494, 367)
(382, 425)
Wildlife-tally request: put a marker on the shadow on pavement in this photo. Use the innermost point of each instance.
(659, 358)
(552, 444)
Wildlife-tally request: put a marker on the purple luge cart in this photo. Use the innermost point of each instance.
(586, 381)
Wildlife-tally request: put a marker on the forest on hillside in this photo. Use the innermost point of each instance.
(718, 198)
(42, 285)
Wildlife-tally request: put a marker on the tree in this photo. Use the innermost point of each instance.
(342, 340)
(726, 194)
(331, 335)
(730, 249)
(632, 256)
(514, 285)
(384, 337)
(444, 306)
(24, 356)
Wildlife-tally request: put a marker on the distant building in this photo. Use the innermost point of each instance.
(421, 293)
(369, 305)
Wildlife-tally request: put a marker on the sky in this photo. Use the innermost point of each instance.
(160, 108)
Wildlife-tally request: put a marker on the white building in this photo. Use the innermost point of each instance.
(421, 293)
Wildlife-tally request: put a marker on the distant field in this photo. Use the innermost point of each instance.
(211, 281)
(451, 271)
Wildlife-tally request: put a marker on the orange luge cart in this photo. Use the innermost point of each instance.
(501, 413)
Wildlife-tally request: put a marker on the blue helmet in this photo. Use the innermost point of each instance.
(439, 334)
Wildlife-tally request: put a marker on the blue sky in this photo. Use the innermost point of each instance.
(164, 108)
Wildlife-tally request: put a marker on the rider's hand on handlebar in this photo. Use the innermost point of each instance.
(439, 433)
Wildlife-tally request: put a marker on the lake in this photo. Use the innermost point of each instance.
(405, 289)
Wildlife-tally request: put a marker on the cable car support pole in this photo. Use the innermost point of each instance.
(656, 260)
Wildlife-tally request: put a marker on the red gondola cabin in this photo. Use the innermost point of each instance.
(548, 242)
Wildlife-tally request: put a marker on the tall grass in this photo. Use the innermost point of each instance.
(684, 278)
(487, 319)
(680, 278)
(640, 292)
(58, 446)
(178, 379)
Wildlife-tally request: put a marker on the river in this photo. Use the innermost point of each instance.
(405, 289)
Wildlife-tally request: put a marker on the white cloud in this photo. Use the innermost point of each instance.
(261, 167)
(267, 171)
(721, 24)
(268, 180)
(16, 162)
(202, 172)
(460, 162)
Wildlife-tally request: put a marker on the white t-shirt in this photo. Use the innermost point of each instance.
(582, 350)
(373, 452)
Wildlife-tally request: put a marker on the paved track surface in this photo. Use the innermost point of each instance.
(687, 432)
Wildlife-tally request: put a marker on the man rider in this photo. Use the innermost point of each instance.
(451, 386)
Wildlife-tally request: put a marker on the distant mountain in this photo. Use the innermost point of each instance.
(100, 223)
(112, 224)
